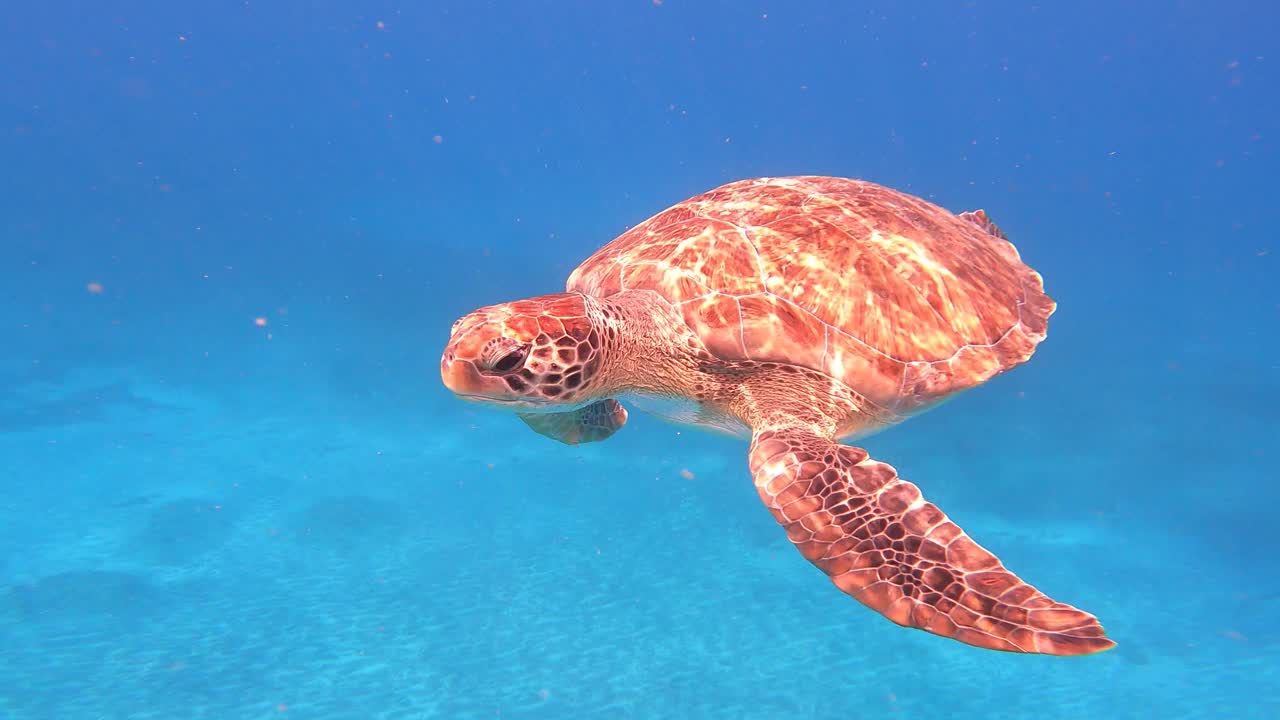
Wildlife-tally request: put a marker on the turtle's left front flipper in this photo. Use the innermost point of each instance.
(899, 555)
(590, 423)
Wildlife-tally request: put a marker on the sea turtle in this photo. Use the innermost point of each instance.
(797, 312)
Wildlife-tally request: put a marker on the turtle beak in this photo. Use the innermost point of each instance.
(460, 376)
(458, 370)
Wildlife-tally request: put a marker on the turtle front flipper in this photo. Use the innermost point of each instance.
(590, 423)
(882, 543)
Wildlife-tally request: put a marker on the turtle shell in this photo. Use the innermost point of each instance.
(897, 298)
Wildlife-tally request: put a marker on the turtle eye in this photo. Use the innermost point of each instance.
(510, 361)
(504, 356)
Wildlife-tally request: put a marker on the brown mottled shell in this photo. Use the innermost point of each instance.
(898, 298)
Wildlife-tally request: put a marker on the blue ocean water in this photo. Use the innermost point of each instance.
(234, 237)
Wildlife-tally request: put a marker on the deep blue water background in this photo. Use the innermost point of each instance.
(202, 517)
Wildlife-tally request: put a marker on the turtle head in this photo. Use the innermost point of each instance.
(544, 353)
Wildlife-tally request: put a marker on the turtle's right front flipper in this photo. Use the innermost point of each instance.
(590, 423)
(894, 552)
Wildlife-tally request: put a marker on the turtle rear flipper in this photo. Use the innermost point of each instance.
(590, 423)
(882, 543)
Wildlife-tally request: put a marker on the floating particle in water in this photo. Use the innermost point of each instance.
(260, 321)
(437, 139)
(94, 288)
(686, 473)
